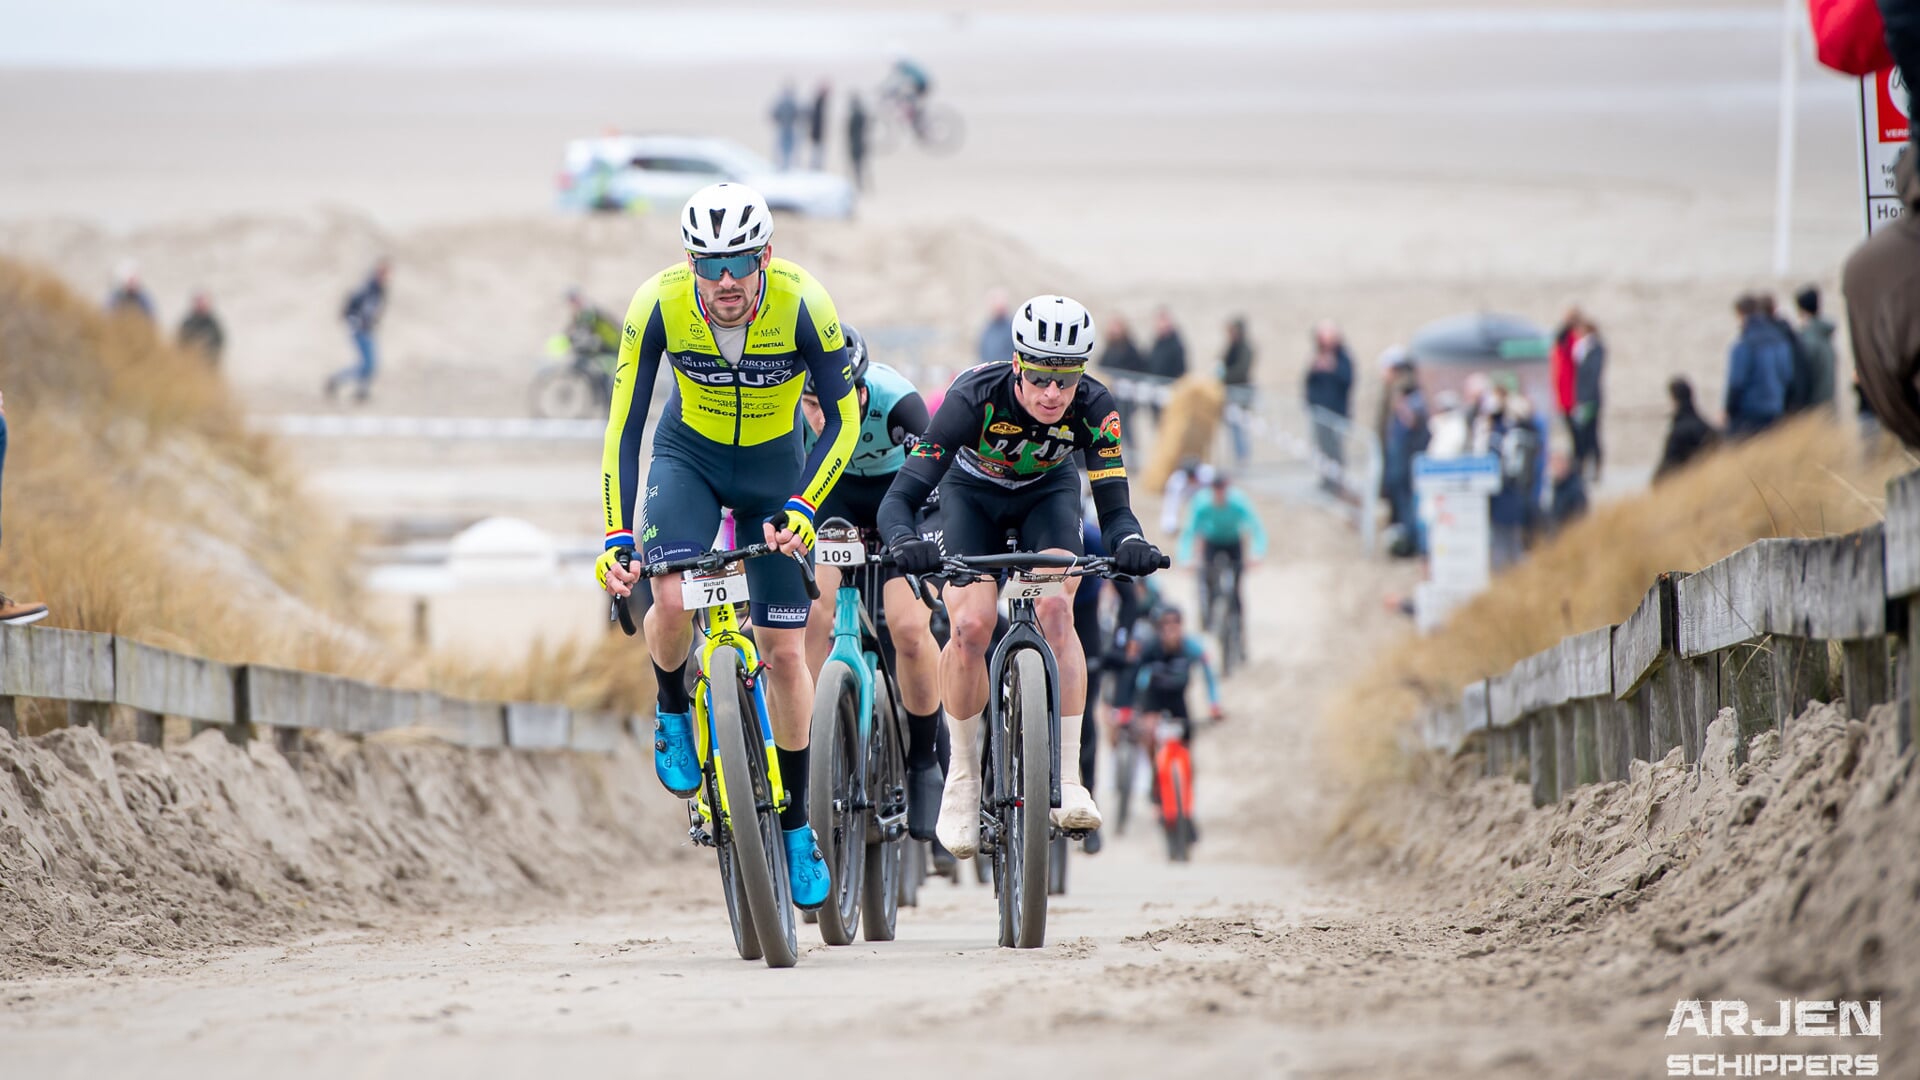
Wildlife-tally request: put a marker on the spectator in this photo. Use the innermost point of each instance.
(1392, 359)
(1816, 342)
(1759, 369)
(857, 141)
(1236, 371)
(1516, 442)
(996, 337)
(786, 126)
(1569, 492)
(15, 612)
(1563, 368)
(201, 330)
(1689, 435)
(1881, 280)
(1589, 376)
(128, 296)
(1407, 436)
(1329, 392)
(817, 124)
(1120, 360)
(1800, 381)
(1167, 356)
(362, 313)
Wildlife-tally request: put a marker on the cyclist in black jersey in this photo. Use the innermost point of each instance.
(1014, 431)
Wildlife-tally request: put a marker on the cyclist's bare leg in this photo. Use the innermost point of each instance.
(669, 625)
(820, 619)
(790, 683)
(917, 667)
(1077, 809)
(790, 710)
(916, 653)
(971, 611)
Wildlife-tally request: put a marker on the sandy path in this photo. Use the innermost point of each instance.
(1161, 952)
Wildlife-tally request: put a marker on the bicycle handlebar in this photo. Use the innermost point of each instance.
(708, 560)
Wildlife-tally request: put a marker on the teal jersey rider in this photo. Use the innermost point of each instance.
(894, 410)
(1219, 518)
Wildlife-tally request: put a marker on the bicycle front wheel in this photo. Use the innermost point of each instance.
(832, 801)
(753, 824)
(1029, 780)
(563, 392)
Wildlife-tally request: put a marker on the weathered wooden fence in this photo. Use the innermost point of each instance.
(1765, 630)
(94, 673)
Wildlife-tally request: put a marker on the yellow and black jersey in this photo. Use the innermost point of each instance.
(751, 402)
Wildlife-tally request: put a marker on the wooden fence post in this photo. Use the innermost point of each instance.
(1566, 756)
(1665, 713)
(1586, 763)
(1799, 675)
(1864, 675)
(8, 722)
(1542, 757)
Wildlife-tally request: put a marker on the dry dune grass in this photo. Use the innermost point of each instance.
(138, 503)
(1809, 478)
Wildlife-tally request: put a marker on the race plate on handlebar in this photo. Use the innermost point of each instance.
(712, 588)
(1022, 585)
(839, 545)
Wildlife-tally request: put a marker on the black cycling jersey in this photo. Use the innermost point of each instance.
(982, 428)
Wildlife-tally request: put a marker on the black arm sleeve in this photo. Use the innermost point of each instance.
(954, 426)
(908, 416)
(1107, 468)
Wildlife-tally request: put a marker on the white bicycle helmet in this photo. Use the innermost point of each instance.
(1053, 328)
(722, 219)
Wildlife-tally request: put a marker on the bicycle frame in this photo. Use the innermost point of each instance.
(721, 629)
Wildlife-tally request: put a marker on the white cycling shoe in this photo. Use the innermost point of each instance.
(1076, 810)
(959, 826)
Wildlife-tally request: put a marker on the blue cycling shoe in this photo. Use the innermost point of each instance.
(674, 760)
(806, 869)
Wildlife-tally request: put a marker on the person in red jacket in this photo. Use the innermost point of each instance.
(1564, 370)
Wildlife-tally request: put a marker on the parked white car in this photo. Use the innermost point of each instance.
(642, 173)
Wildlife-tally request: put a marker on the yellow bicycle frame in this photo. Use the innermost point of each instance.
(722, 630)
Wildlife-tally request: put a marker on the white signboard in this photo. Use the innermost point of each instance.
(1453, 495)
(1886, 103)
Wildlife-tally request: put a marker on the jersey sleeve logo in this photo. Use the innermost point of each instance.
(1118, 472)
(1002, 427)
(1110, 427)
(1109, 451)
(930, 450)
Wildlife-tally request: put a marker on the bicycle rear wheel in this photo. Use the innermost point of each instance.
(839, 824)
(887, 788)
(745, 938)
(1028, 771)
(752, 820)
(941, 128)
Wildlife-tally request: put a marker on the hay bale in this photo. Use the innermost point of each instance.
(1187, 427)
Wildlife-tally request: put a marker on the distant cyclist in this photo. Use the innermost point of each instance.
(590, 332)
(1166, 672)
(1223, 520)
(892, 416)
(741, 331)
(910, 82)
(1012, 433)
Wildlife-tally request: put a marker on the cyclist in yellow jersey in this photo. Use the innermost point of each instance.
(742, 332)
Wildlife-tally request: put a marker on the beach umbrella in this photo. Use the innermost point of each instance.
(1484, 339)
